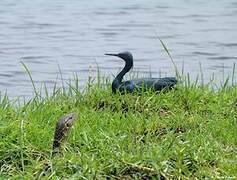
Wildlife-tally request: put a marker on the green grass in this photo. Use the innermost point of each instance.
(188, 132)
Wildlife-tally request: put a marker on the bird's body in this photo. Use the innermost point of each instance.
(138, 85)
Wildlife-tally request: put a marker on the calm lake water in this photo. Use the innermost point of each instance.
(75, 34)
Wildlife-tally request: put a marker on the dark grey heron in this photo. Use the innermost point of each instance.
(138, 85)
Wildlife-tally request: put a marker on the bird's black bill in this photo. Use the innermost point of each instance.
(108, 54)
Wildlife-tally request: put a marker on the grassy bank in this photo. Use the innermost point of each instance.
(187, 132)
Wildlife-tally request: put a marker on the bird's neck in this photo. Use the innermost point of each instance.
(118, 79)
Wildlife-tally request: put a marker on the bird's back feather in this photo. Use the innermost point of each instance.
(156, 84)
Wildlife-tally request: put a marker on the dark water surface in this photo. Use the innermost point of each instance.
(75, 34)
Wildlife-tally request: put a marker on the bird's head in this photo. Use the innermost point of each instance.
(126, 56)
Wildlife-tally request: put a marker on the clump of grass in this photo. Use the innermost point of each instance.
(188, 132)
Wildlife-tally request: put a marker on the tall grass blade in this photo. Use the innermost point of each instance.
(22, 144)
(225, 85)
(202, 77)
(31, 79)
(233, 75)
(61, 75)
(167, 51)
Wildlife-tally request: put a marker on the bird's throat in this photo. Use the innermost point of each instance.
(119, 78)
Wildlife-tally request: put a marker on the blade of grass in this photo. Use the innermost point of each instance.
(233, 75)
(167, 51)
(61, 75)
(31, 79)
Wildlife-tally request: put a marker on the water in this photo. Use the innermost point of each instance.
(75, 35)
